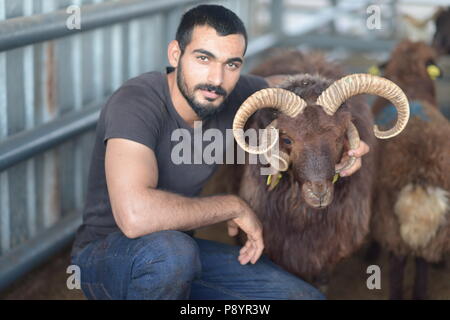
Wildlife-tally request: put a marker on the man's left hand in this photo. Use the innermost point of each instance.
(358, 153)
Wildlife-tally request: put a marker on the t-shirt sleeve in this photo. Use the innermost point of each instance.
(133, 114)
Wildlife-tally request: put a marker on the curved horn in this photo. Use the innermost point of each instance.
(353, 139)
(284, 100)
(343, 89)
(279, 160)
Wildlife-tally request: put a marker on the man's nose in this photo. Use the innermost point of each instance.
(215, 76)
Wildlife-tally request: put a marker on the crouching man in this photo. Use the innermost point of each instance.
(136, 238)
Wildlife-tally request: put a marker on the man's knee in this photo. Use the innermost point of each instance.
(172, 255)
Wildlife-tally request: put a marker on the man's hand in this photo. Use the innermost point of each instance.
(358, 153)
(250, 224)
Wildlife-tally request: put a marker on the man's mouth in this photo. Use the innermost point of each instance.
(210, 94)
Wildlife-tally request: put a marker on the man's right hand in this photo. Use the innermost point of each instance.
(250, 224)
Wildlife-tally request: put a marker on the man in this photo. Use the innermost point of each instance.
(131, 244)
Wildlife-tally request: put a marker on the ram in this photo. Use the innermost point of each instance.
(411, 203)
(311, 218)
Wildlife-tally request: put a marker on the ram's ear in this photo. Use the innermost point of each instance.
(278, 159)
(276, 80)
(433, 70)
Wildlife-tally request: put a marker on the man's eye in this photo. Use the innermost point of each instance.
(203, 58)
(233, 65)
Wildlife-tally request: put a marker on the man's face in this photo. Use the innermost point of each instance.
(209, 69)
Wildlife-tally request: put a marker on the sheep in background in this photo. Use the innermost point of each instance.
(311, 219)
(441, 39)
(411, 197)
(415, 29)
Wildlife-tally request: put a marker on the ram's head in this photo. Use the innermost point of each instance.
(309, 135)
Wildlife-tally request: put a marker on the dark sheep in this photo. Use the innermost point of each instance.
(411, 203)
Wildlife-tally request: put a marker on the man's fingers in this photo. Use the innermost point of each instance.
(343, 162)
(247, 252)
(245, 257)
(245, 248)
(258, 251)
(257, 246)
(356, 166)
(360, 151)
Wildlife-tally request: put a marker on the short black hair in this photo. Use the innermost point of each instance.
(223, 20)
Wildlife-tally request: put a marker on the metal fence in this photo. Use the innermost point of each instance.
(53, 82)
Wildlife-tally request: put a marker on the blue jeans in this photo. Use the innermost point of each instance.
(173, 265)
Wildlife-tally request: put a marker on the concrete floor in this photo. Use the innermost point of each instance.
(48, 282)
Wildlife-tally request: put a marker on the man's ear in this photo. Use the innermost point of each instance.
(174, 53)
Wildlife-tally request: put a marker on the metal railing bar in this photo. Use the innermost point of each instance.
(29, 92)
(330, 42)
(22, 31)
(25, 145)
(5, 240)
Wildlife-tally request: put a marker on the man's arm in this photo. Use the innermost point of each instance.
(139, 208)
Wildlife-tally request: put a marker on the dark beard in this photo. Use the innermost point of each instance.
(203, 111)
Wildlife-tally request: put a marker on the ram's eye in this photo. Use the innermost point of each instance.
(287, 141)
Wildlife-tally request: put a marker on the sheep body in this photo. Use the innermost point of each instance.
(411, 194)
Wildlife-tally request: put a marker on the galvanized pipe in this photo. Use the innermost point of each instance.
(22, 31)
(29, 143)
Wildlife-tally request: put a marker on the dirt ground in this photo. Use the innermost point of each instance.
(48, 282)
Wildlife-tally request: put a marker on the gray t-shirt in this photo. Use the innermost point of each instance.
(142, 110)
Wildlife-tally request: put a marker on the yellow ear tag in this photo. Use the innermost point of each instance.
(336, 178)
(433, 71)
(274, 183)
(374, 70)
(269, 179)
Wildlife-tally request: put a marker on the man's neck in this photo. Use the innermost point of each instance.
(179, 102)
